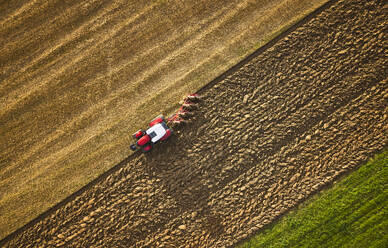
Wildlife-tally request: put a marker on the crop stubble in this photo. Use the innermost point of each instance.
(287, 123)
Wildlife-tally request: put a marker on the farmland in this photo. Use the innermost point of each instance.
(268, 135)
(77, 77)
(351, 214)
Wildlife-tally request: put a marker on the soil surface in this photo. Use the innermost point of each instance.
(288, 122)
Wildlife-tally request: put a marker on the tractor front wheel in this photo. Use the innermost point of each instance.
(133, 147)
(138, 134)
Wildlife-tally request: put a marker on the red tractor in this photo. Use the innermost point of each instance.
(157, 131)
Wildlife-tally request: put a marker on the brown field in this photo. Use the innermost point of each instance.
(285, 124)
(77, 77)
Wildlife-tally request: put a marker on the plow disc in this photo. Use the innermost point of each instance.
(185, 112)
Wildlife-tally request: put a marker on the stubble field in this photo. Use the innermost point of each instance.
(267, 136)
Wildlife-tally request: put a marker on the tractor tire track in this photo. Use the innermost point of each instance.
(288, 122)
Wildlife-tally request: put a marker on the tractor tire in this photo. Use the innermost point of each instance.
(138, 134)
(157, 120)
(133, 147)
(147, 148)
(144, 140)
(167, 135)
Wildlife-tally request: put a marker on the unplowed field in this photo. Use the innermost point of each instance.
(288, 122)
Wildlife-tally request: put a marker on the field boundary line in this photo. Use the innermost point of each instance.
(310, 198)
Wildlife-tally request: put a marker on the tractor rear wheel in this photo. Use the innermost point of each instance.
(144, 140)
(167, 135)
(147, 148)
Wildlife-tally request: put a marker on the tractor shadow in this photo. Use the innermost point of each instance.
(184, 181)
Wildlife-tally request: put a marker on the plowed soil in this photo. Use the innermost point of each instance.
(288, 122)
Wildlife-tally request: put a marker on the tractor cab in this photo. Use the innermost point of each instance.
(157, 131)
